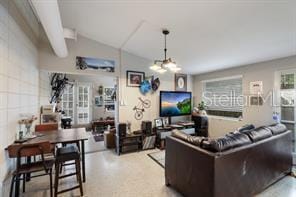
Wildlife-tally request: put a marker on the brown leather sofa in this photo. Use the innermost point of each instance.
(231, 166)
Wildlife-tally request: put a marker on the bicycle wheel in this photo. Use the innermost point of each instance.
(138, 115)
(146, 103)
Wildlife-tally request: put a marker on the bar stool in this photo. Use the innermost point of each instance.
(64, 154)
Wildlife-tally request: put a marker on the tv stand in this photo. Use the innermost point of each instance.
(163, 132)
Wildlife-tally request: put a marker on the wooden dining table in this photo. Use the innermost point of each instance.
(76, 135)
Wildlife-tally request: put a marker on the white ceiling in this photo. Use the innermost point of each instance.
(205, 35)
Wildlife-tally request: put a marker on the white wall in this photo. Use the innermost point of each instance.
(130, 94)
(90, 48)
(257, 115)
(18, 80)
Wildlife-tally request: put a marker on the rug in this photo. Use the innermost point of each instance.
(158, 157)
(98, 137)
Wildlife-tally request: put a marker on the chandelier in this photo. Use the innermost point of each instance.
(161, 66)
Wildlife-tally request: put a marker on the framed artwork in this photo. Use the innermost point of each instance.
(134, 78)
(256, 100)
(85, 63)
(180, 82)
(256, 87)
(108, 92)
(158, 122)
(165, 121)
(99, 101)
(52, 118)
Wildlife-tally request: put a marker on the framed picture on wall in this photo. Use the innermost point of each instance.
(134, 78)
(99, 101)
(52, 118)
(180, 82)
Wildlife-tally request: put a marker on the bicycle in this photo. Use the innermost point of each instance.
(58, 84)
(140, 108)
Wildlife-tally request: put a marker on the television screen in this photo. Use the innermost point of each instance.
(174, 103)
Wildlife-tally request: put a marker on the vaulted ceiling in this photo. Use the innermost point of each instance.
(205, 35)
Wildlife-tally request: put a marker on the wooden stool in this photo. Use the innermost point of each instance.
(64, 154)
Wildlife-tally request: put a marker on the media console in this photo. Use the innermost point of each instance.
(163, 132)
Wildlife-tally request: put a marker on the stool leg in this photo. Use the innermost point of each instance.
(56, 180)
(78, 174)
(11, 186)
(17, 186)
(24, 182)
(50, 180)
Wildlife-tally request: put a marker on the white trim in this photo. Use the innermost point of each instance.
(224, 118)
(222, 78)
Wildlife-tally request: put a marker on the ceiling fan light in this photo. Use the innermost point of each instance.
(161, 70)
(155, 67)
(175, 69)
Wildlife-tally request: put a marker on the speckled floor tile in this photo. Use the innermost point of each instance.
(130, 175)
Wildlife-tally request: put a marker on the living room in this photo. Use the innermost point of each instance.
(148, 98)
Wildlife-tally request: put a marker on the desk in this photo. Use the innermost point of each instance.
(64, 136)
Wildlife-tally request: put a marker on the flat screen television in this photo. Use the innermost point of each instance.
(173, 103)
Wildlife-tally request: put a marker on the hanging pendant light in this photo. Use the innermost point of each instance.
(166, 64)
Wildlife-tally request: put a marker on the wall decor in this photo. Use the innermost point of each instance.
(108, 93)
(155, 83)
(140, 108)
(256, 87)
(99, 101)
(134, 78)
(180, 82)
(84, 63)
(158, 122)
(100, 90)
(145, 87)
(256, 100)
(165, 121)
(52, 118)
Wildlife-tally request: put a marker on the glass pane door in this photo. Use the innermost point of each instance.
(68, 101)
(83, 104)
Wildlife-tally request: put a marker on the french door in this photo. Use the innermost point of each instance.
(68, 101)
(83, 95)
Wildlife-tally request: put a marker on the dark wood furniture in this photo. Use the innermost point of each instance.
(46, 127)
(128, 140)
(109, 138)
(102, 125)
(21, 151)
(65, 154)
(75, 135)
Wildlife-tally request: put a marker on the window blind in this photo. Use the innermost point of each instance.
(223, 94)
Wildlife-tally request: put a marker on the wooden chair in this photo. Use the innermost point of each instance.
(46, 127)
(24, 169)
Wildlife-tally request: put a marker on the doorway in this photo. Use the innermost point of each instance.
(88, 100)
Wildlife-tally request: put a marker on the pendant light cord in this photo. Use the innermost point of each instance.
(165, 49)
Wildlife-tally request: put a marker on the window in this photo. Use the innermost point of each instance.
(223, 97)
(288, 95)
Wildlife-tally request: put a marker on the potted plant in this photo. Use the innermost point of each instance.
(202, 108)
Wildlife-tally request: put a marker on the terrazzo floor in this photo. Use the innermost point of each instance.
(130, 175)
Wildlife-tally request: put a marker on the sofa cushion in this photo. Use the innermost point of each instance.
(229, 141)
(195, 140)
(259, 133)
(277, 128)
(246, 127)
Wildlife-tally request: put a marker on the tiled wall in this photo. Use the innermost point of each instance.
(44, 87)
(19, 82)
